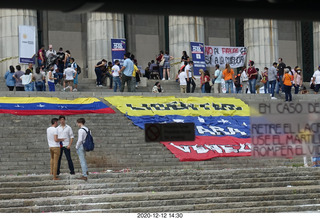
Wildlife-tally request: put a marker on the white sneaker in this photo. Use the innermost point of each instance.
(169, 79)
(163, 79)
(270, 95)
(273, 98)
(67, 87)
(75, 90)
(100, 85)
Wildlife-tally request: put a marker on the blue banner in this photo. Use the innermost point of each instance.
(118, 49)
(197, 51)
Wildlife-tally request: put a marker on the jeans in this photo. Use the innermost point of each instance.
(272, 85)
(83, 162)
(117, 83)
(266, 87)
(252, 85)
(191, 81)
(287, 90)
(124, 79)
(68, 156)
(280, 84)
(39, 85)
(133, 84)
(161, 72)
(238, 90)
(28, 87)
(51, 86)
(203, 89)
(229, 85)
(296, 89)
(99, 75)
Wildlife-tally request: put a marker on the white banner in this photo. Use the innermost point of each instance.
(235, 56)
(27, 44)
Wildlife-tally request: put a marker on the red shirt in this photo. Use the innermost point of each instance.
(251, 71)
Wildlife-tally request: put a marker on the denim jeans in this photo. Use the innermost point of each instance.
(51, 86)
(296, 89)
(287, 90)
(39, 85)
(28, 87)
(266, 87)
(189, 83)
(280, 84)
(252, 85)
(272, 85)
(68, 156)
(99, 75)
(83, 162)
(203, 90)
(229, 85)
(117, 83)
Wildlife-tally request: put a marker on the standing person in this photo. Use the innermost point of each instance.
(69, 75)
(228, 76)
(287, 84)
(39, 78)
(51, 52)
(252, 76)
(44, 75)
(159, 58)
(65, 132)
(109, 74)
(61, 56)
(10, 80)
(100, 67)
(207, 85)
(272, 79)
(265, 80)
(297, 80)
(135, 76)
(41, 56)
(183, 81)
(202, 82)
(27, 80)
(74, 66)
(17, 76)
(166, 66)
(82, 134)
(244, 79)
(258, 81)
(115, 74)
(190, 77)
(54, 146)
(280, 69)
(67, 56)
(316, 80)
(237, 82)
(126, 72)
(217, 80)
(184, 58)
(51, 79)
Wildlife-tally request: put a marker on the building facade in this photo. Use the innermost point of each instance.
(88, 37)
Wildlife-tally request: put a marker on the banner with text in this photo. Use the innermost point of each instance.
(27, 44)
(118, 49)
(235, 56)
(197, 51)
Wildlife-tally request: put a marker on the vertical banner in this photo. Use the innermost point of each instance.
(118, 49)
(27, 44)
(197, 51)
(235, 56)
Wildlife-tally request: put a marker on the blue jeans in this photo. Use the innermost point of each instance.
(51, 86)
(266, 87)
(161, 72)
(117, 83)
(39, 85)
(83, 162)
(252, 85)
(99, 75)
(280, 84)
(272, 86)
(229, 85)
(28, 87)
(296, 89)
(203, 89)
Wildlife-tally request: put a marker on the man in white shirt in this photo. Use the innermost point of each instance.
(65, 131)
(190, 77)
(82, 134)
(316, 80)
(50, 52)
(69, 76)
(54, 146)
(116, 76)
(183, 81)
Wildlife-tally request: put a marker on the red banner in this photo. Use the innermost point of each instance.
(207, 147)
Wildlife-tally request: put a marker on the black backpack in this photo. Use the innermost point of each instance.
(88, 143)
(78, 69)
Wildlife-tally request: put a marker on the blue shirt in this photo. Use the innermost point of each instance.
(10, 81)
(218, 74)
(128, 64)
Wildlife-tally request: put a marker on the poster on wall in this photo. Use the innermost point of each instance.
(235, 56)
(27, 44)
(197, 51)
(118, 49)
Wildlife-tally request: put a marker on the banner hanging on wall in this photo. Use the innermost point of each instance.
(235, 56)
(27, 44)
(118, 49)
(197, 51)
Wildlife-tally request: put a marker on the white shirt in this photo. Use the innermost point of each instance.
(182, 78)
(69, 73)
(26, 79)
(51, 132)
(316, 75)
(115, 71)
(81, 136)
(188, 67)
(48, 53)
(65, 133)
(50, 80)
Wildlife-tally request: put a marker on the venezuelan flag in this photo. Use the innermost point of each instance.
(222, 124)
(27, 106)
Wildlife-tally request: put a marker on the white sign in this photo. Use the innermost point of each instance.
(235, 56)
(27, 44)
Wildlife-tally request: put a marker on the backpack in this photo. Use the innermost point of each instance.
(88, 143)
(78, 69)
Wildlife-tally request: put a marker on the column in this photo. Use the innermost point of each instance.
(182, 31)
(316, 44)
(102, 27)
(261, 40)
(10, 20)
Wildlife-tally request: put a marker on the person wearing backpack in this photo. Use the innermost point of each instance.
(82, 134)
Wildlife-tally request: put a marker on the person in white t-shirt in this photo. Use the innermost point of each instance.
(183, 81)
(116, 76)
(316, 80)
(190, 78)
(54, 146)
(69, 76)
(82, 134)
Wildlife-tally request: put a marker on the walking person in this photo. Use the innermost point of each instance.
(190, 77)
(182, 76)
(82, 134)
(228, 76)
(126, 72)
(287, 78)
(207, 86)
(69, 75)
(217, 80)
(252, 76)
(10, 80)
(297, 80)
(116, 77)
(51, 79)
(65, 131)
(316, 80)
(272, 79)
(54, 146)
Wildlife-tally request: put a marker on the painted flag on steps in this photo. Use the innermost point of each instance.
(27, 106)
(222, 124)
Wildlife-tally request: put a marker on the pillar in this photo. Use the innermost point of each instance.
(316, 44)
